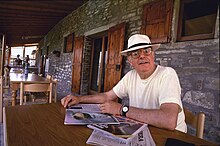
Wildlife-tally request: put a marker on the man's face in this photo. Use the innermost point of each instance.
(142, 60)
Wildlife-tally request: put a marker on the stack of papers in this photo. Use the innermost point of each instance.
(128, 132)
(108, 130)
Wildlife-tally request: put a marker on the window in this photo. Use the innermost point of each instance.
(197, 19)
(68, 43)
(23, 51)
(17, 51)
(31, 52)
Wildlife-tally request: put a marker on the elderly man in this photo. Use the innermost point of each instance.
(153, 90)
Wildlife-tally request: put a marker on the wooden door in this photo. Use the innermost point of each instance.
(114, 59)
(77, 63)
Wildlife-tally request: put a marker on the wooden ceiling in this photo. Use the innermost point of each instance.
(25, 22)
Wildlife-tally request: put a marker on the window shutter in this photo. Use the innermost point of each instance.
(77, 63)
(69, 43)
(157, 20)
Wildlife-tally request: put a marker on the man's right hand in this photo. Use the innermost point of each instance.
(69, 100)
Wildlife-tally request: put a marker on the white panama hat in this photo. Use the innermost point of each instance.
(139, 41)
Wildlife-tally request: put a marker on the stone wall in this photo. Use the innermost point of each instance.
(61, 69)
(196, 62)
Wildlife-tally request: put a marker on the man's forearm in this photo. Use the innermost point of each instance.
(96, 98)
(157, 117)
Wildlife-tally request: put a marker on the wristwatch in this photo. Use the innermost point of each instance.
(124, 110)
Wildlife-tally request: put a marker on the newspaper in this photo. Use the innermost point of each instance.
(142, 138)
(83, 114)
(127, 127)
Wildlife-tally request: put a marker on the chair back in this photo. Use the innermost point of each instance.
(196, 121)
(36, 87)
(6, 77)
(49, 77)
(55, 85)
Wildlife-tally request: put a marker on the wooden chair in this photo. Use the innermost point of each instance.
(55, 85)
(6, 77)
(196, 121)
(40, 75)
(44, 87)
(5, 96)
(49, 77)
(1, 99)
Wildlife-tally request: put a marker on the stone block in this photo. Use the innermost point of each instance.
(212, 83)
(196, 52)
(198, 98)
(196, 60)
(214, 59)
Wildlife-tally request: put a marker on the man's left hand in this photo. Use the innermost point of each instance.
(110, 107)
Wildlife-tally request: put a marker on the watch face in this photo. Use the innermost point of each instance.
(125, 109)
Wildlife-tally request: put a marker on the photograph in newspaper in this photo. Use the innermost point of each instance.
(83, 114)
(125, 129)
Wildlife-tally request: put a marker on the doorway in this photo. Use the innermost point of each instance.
(98, 61)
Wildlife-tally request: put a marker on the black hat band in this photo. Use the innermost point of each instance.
(139, 44)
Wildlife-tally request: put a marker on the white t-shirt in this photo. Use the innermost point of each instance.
(161, 87)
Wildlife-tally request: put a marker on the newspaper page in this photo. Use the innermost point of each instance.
(83, 114)
(103, 139)
(86, 108)
(141, 138)
(125, 129)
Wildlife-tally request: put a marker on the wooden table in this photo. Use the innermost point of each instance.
(42, 125)
(20, 67)
(17, 78)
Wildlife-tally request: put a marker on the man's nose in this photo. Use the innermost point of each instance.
(142, 53)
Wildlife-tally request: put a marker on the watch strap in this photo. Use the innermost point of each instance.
(123, 113)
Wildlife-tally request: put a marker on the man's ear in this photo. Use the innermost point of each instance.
(153, 53)
(129, 60)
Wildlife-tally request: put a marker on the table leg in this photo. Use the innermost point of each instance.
(14, 94)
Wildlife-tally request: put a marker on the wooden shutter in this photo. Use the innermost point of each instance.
(157, 17)
(77, 63)
(69, 43)
(114, 59)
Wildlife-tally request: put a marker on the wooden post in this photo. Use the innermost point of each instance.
(3, 54)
